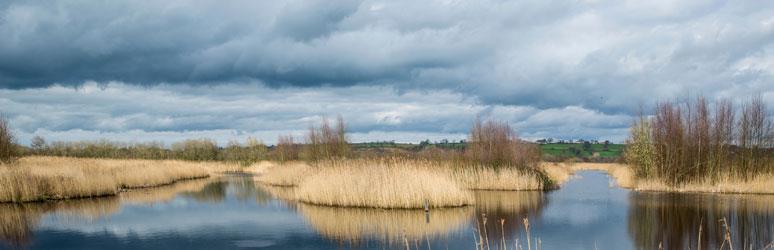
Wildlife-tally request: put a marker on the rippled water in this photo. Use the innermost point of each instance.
(589, 212)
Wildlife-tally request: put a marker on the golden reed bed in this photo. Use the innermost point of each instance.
(401, 183)
(473, 177)
(381, 184)
(398, 183)
(46, 178)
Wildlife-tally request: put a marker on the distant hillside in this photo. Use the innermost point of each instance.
(578, 150)
(551, 151)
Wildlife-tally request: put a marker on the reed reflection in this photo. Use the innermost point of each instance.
(164, 193)
(19, 221)
(682, 221)
(213, 192)
(286, 196)
(391, 226)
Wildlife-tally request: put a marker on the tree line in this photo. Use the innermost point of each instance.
(490, 143)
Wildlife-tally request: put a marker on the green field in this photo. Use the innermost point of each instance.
(578, 150)
(559, 150)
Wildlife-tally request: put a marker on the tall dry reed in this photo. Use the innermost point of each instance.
(42, 178)
(487, 178)
(283, 174)
(467, 177)
(387, 183)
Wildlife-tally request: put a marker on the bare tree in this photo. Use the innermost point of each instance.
(495, 143)
(38, 144)
(8, 150)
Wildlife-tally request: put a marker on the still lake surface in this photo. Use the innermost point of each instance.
(231, 212)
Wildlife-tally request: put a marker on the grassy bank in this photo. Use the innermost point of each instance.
(51, 178)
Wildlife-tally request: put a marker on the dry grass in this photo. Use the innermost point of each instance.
(484, 178)
(381, 184)
(622, 174)
(761, 184)
(470, 177)
(43, 178)
(259, 168)
(216, 167)
(389, 225)
(283, 174)
(556, 172)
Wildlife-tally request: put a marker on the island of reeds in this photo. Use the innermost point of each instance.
(689, 146)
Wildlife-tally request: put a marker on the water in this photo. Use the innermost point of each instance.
(232, 212)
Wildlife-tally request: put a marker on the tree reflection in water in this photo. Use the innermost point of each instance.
(673, 220)
(510, 206)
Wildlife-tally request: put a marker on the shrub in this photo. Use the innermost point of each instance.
(196, 150)
(252, 151)
(286, 149)
(639, 152)
(495, 144)
(326, 141)
(8, 149)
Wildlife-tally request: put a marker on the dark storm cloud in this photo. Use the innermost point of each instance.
(396, 69)
(280, 43)
(606, 55)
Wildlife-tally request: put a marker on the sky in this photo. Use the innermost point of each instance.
(137, 71)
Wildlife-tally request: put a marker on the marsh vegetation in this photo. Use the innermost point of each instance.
(355, 197)
(44, 178)
(587, 214)
(696, 146)
(495, 159)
